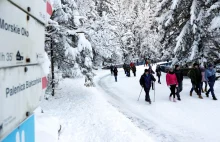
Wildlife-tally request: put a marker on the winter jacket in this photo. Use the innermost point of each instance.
(115, 71)
(131, 64)
(179, 75)
(133, 69)
(171, 79)
(146, 80)
(124, 66)
(210, 75)
(111, 68)
(195, 76)
(158, 71)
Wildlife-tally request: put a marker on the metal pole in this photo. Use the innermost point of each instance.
(140, 94)
(154, 90)
(52, 66)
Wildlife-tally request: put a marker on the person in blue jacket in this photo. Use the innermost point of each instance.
(145, 82)
(210, 78)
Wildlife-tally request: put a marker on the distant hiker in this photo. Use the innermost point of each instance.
(115, 70)
(145, 82)
(146, 63)
(210, 75)
(195, 75)
(124, 67)
(158, 72)
(111, 69)
(151, 72)
(179, 76)
(128, 69)
(137, 63)
(133, 68)
(131, 64)
(172, 82)
(203, 79)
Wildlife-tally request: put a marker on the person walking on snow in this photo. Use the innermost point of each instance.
(158, 72)
(145, 82)
(179, 76)
(111, 69)
(172, 82)
(115, 70)
(210, 77)
(203, 79)
(151, 72)
(196, 78)
(133, 68)
(124, 67)
(128, 69)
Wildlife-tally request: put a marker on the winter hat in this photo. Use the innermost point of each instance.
(146, 70)
(195, 64)
(210, 65)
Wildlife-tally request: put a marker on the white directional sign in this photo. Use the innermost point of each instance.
(22, 39)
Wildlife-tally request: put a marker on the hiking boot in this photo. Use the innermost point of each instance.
(207, 94)
(149, 102)
(200, 97)
(179, 99)
(190, 94)
(214, 98)
(174, 99)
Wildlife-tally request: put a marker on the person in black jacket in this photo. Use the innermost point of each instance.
(111, 69)
(158, 71)
(115, 70)
(196, 78)
(179, 76)
(145, 82)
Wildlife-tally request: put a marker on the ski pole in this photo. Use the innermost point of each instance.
(154, 91)
(140, 94)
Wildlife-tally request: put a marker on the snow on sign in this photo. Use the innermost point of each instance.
(21, 89)
(36, 8)
(21, 36)
(23, 133)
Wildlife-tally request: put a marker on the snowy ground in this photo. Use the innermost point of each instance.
(110, 112)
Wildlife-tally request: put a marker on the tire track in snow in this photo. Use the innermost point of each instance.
(124, 108)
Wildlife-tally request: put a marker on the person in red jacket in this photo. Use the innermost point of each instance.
(172, 82)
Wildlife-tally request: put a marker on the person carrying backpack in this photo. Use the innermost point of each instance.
(196, 79)
(210, 77)
(179, 76)
(145, 82)
(171, 80)
(115, 70)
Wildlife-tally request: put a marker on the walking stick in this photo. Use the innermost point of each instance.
(140, 94)
(154, 91)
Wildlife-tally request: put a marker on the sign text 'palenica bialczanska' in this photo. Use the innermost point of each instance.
(21, 87)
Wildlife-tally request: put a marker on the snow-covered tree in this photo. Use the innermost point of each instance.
(72, 52)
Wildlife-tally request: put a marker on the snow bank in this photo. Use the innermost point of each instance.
(86, 116)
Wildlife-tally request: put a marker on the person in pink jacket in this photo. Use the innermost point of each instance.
(172, 82)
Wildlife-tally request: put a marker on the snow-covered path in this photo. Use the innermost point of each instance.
(190, 120)
(86, 116)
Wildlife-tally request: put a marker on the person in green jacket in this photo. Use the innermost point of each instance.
(196, 78)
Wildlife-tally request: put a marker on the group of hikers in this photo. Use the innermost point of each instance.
(127, 69)
(199, 75)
